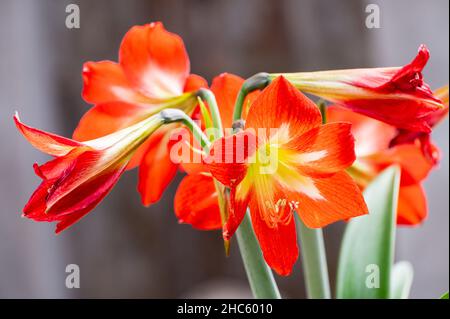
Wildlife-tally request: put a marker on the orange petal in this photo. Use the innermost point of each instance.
(281, 104)
(105, 82)
(196, 203)
(338, 198)
(415, 166)
(156, 170)
(154, 60)
(104, 119)
(194, 82)
(370, 135)
(326, 149)
(412, 205)
(49, 143)
(278, 244)
(226, 87)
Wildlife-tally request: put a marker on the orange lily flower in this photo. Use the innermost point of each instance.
(152, 74)
(196, 200)
(82, 173)
(374, 154)
(397, 96)
(305, 176)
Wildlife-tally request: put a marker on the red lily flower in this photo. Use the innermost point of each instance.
(397, 96)
(374, 154)
(82, 173)
(431, 153)
(196, 199)
(152, 74)
(305, 174)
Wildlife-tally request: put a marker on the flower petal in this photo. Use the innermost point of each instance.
(196, 202)
(194, 82)
(107, 118)
(370, 135)
(281, 104)
(325, 149)
(338, 198)
(228, 156)
(226, 87)
(412, 205)
(278, 244)
(76, 202)
(415, 166)
(154, 60)
(105, 81)
(49, 143)
(239, 201)
(156, 170)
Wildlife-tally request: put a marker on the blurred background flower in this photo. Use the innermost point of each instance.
(126, 250)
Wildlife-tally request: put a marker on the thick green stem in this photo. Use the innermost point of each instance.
(314, 261)
(178, 116)
(256, 82)
(259, 275)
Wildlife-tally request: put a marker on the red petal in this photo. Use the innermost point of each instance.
(105, 82)
(156, 170)
(278, 244)
(75, 202)
(280, 104)
(194, 82)
(108, 181)
(341, 199)
(238, 208)
(227, 161)
(49, 143)
(196, 203)
(154, 60)
(412, 205)
(326, 149)
(370, 135)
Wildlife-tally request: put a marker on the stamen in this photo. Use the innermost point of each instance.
(277, 214)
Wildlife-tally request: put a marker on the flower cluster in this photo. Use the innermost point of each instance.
(275, 154)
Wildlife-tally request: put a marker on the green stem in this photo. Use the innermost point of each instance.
(209, 97)
(260, 277)
(178, 116)
(314, 262)
(256, 82)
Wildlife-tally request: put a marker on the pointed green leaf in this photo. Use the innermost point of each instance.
(367, 249)
(444, 296)
(401, 280)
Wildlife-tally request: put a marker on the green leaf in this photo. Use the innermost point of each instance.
(444, 296)
(367, 250)
(401, 280)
